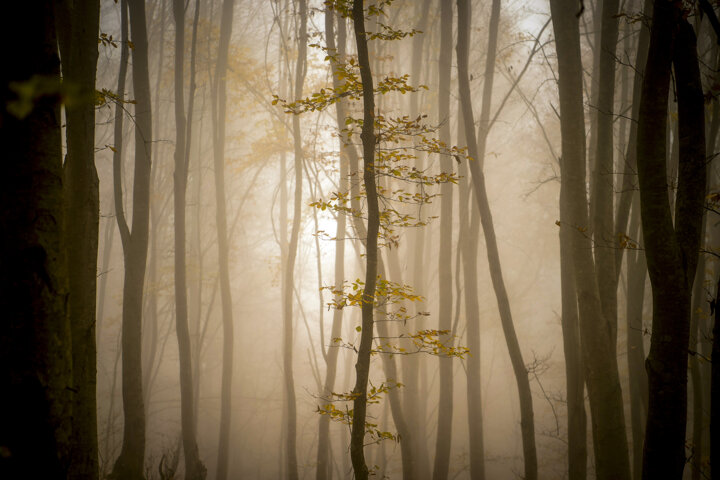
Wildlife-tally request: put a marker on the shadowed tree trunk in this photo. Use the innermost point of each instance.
(79, 51)
(35, 351)
(445, 406)
(130, 463)
(671, 250)
(476, 148)
(194, 469)
(219, 105)
(362, 366)
(601, 372)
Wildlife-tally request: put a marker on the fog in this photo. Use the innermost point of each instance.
(231, 323)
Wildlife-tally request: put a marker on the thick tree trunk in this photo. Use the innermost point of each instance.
(477, 152)
(601, 372)
(443, 440)
(219, 104)
(603, 175)
(194, 469)
(130, 463)
(362, 366)
(79, 52)
(672, 251)
(35, 350)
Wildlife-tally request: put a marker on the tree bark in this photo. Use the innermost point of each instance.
(601, 372)
(79, 51)
(362, 365)
(35, 348)
(671, 251)
(130, 463)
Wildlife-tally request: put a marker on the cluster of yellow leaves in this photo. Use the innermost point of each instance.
(386, 292)
(374, 396)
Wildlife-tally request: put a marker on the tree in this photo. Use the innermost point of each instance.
(130, 463)
(77, 36)
(476, 148)
(35, 342)
(445, 283)
(362, 366)
(671, 250)
(219, 98)
(194, 468)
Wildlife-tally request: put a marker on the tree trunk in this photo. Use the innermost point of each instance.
(324, 462)
(362, 366)
(468, 246)
(671, 251)
(194, 469)
(603, 175)
(601, 373)
(219, 104)
(636, 275)
(477, 152)
(289, 273)
(130, 463)
(79, 52)
(445, 405)
(35, 349)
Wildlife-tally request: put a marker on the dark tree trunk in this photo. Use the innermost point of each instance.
(603, 175)
(35, 350)
(477, 152)
(601, 372)
(130, 463)
(671, 251)
(362, 366)
(79, 51)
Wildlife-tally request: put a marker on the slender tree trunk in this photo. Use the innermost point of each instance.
(445, 406)
(468, 245)
(130, 463)
(324, 461)
(194, 469)
(414, 401)
(636, 275)
(362, 366)
(78, 48)
(289, 273)
(672, 251)
(35, 349)
(477, 152)
(219, 107)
